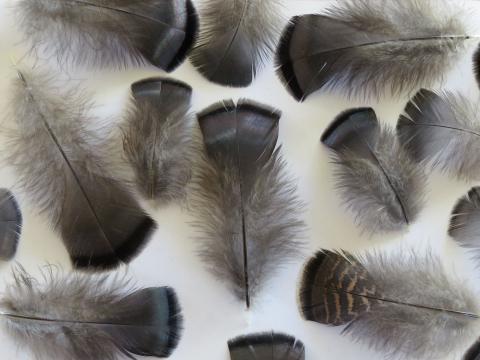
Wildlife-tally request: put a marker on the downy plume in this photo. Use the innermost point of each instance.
(80, 316)
(247, 207)
(158, 138)
(266, 346)
(376, 179)
(10, 225)
(110, 32)
(403, 305)
(443, 131)
(236, 38)
(371, 48)
(59, 165)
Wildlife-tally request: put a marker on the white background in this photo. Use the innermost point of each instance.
(212, 314)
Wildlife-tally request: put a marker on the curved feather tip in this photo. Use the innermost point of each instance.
(10, 225)
(269, 345)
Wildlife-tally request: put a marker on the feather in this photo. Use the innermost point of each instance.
(444, 131)
(10, 225)
(158, 138)
(403, 305)
(237, 37)
(247, 206)
(465, 221)
(266, 346)
(476, 64)
(474, 352)
(110, 32)
(375, 178)
(368, 48)
(79, 316)
(59, 166)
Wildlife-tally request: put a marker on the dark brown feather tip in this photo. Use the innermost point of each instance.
(152, 86)
(476, 65)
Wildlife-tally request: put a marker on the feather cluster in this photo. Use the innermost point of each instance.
(59, 165)
(442, 130)
(110, 32)
(79, 317)
(237, 37)
(377, 180)
(247, 208)
(158, 138)
(403, 305)
(370, 47)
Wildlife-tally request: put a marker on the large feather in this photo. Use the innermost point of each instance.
(375, 177)
(266, 346)
(10, 225)
(236, 38)
(404, 305)
(444, 131)
(247, 206)
(158, 138)
(110, 32)
(80, 317)
(370, 47)
(58, 164)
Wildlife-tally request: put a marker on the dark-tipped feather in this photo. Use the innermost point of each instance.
(403, 305)
(81, 317)
(473, 352)
(158, 139)
(375, 177)
(10, 225)
(246, 205)
(266, 346)
(476, 65)
(59, 165)
(237, 37)
(370, 47)
(443, 131)
(110, 32)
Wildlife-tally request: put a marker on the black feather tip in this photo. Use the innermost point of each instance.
(476, 65)
(310, 273)
(10, 225)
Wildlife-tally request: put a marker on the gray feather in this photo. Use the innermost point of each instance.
(59, 166)
(376, 179)
(247, 208)
(266, 346)
(10, 225)
(370, 47)
(237, 37)
(442, 130)
(404, 305)
(80, 317)
(110, 32)
(158, 138)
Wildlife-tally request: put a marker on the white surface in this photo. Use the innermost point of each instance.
(212, 315)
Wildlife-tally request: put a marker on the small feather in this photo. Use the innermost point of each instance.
(442, 130)
(237, 37)
(403, 305)
(369, 48)
(59, 165)
(266, 346)
(79, 317)
(110, 32)
(10, 225)
(247, 207)
(158, 138)
(376, 179)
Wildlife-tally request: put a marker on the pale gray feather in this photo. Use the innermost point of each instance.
(443, 131)
(236, 38)
(79, 316)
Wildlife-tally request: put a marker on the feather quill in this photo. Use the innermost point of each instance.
(375, 177)
(110, 32)
(404, 305)
(236, 38)
(247, 206)
(442, 130)
(158, 138)
(10, 225)
(368, 48)
(79, 316)
(266, 346)
(60, 168)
